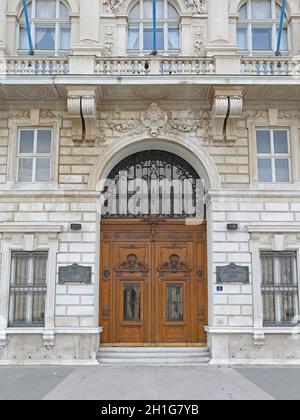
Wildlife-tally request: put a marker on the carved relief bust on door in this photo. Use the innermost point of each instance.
(174, 265)
(132, 265)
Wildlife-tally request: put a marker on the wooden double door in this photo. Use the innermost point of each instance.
(153, 288)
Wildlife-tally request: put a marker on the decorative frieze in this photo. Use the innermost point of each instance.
(155, 122)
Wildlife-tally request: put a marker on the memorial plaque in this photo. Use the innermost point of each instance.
(75, 274)
(232, 274)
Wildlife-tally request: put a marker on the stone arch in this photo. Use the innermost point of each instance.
(234, 5)
(188, 149)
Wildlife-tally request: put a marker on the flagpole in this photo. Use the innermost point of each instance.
(31, 50)
(154, 52)
(280, 28)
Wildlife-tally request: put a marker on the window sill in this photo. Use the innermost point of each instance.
(148, 53)
(253, 330)
(263, 54)
(42, 331)
(44, 53)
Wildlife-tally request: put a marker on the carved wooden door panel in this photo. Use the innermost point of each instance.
(174, 288)
(131, 292)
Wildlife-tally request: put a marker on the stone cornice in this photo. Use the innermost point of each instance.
(16, 227)
(265, 227)
(40, 194)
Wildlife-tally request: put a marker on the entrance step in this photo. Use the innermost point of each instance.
(153, 356)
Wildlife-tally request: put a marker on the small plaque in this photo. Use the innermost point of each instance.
(75, 274)
(232, 274)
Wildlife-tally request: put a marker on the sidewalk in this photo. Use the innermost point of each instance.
(149, 383)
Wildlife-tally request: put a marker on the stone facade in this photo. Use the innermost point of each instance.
(103, 104)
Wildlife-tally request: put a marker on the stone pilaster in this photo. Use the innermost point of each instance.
(218, 28)
(89, 29)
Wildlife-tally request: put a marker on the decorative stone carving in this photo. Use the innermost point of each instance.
(114, 122)
(174, 265)
(235, 113)
(154, 119)
(74, 109)
(24, 114)
(132, 265)
(108, 43)
(219, 114)
(46, 114)
(113, 5)
(197, 7)
(190, 123)
(199, 44)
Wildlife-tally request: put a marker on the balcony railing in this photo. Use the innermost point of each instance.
(149, 66)
(278, 66)
(154, 67)
(37, 66)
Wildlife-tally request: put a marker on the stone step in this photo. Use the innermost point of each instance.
(181, 350)
(153, 356)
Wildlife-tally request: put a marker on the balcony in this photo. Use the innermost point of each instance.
(149, 66)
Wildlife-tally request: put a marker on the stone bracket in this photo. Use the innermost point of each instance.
(226, 111)
(259, 338)
(219, 114)
(3, 339)
(49, 339)
(234, 114)
(82, 112)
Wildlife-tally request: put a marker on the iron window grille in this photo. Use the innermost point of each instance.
(279, 287)
(28, 289)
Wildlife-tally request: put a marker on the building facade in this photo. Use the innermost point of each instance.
(96, 103)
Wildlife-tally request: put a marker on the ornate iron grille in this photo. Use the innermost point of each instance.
(150, 167)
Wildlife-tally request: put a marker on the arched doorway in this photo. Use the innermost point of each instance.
(153, 264)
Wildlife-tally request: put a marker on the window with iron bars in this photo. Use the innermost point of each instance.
(280, 291)
(28, 288)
